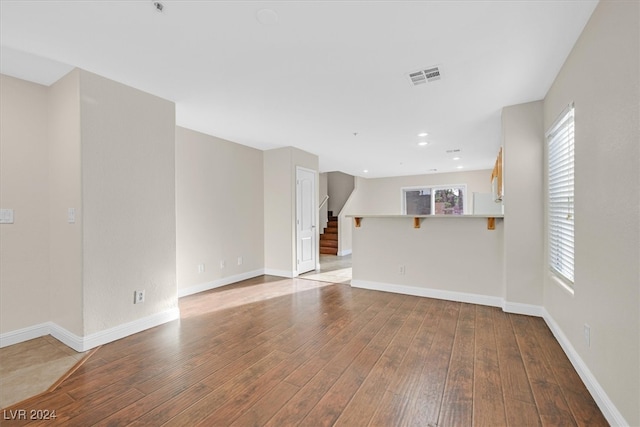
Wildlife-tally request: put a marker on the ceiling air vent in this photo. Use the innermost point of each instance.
(426, 75)
(455, 150)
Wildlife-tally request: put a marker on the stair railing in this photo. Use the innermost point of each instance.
(323, 202)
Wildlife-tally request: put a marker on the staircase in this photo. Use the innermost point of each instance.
(329, 238)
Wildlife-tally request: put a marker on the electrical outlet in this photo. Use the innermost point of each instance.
(401, 270)
(587, 335)
(239, 260)
(138, 297)
(222, 263)
(200, 268)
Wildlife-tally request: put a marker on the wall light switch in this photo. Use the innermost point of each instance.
(71, 215)
(6, 216)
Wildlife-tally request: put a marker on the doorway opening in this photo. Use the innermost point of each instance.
(333, 268)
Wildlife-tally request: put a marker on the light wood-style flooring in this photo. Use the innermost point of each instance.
(283, 352)
(32, 367)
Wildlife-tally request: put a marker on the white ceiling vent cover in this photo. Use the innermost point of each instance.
(426, 75)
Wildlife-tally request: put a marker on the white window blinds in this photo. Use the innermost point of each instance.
(560, 203)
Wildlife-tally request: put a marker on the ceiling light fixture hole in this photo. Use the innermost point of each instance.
(267, 17)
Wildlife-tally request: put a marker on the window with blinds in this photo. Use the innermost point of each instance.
(560, 157)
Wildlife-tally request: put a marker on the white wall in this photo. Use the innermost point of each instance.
(383, 196)
(523, 142)
(220, 210)
(602, 77)
(128, 198)
(24, 245)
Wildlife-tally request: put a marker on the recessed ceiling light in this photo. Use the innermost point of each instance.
(422, 143)
(456, 158)
(423, 134)
(366, 171)
(459, 167)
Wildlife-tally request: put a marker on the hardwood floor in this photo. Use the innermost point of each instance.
(281, 352)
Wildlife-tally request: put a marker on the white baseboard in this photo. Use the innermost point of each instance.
(81, 344)
(520, 308)
(609, 410)
(429, 293)
(24, 334)
(219, 282)
(345, 252)
(66, 337)
(280, 273)
(130, 328)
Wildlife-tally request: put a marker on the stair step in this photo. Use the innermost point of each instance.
(328, 236)
(328, 243)
(332, 223)
(329, 251)
(331, 230)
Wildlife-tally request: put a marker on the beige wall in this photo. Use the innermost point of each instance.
(128, 192)
(107, 151)
(220, 208)
(24, 245)
(340, 186)
(322, 193)
(65, 188)
(280, 208)
(523, 142)
(454, 255)
(602, 77)
(278, 211)
(383, 196)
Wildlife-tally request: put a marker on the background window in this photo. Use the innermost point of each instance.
(560, 203)
(446, 200)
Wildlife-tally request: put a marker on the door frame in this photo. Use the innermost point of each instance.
(314, 213)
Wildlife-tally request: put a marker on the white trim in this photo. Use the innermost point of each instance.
(314, 221)
(67, 338)
(345, 252)
(520, 308)
(608, 408)
(81, 344)
(280, 273)
(202, 287)
(429, 293)
(130, 328)
(24, 334)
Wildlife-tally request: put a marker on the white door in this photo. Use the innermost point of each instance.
(305, 219)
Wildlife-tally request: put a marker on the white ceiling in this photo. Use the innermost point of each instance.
(321, 72)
